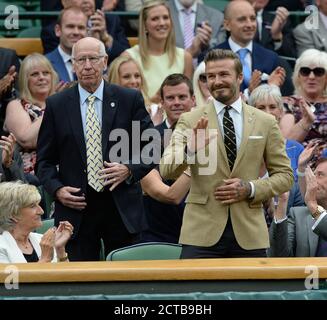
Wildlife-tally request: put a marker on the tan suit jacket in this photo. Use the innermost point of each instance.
(205, 218)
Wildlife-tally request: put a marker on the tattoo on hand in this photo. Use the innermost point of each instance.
(246, 185)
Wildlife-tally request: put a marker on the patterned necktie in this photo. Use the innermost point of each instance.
(246, 69)
(93, 146)
(229, 137)
(188, 28)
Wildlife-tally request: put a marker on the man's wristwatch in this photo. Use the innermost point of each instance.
(318, 212)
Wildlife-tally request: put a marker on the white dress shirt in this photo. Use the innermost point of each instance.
(68, 63)
(236, 113)
(83, 94)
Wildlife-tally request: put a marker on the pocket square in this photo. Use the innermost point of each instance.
(255, 137)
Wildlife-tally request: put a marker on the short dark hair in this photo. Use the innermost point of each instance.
(63, 12)
(221, 54)
(320, 161)
(174, 80)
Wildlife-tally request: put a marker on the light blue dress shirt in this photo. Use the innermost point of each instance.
(83, 94)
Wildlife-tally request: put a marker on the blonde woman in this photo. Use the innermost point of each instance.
(37, 81)
(156, 52)
(20, 215)
(126, 72)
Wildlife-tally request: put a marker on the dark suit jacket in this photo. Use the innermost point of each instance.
(288, 44)
(265, 61)
(295, 198)
(294, 237)
(58, 64)
(61, 142)
(290, 5)
(8, 57)
(15, 171)
(164, 219)
(120, 43)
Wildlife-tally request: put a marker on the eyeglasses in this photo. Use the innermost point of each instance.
(93, 60)
(318, 72)
(203, 78)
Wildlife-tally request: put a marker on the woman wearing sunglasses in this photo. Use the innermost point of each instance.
(306, 118)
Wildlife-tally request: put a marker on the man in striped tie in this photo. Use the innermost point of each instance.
(223, 216)
(94, 190)
(197, 26)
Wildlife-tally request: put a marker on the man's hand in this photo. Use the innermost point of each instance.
(281, 206)
(7, 80)
(255, 80)
(114, 174)
(233, 190)
(311, 191)
(277, 77)
(109, 5)
(99, 28)
(7, 144)
(306, 156)
(201, 39)
(62, 85)
(279, 23)
(199, 137)
(66, 196)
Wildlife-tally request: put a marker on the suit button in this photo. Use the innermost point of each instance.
(84, 171)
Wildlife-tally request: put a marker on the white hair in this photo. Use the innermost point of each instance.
(102, 48)
(309, 57)
(264, 92)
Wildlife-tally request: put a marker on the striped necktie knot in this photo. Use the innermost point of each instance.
(229, 137)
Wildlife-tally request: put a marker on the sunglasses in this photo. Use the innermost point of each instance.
(203, 78)
(318, 72)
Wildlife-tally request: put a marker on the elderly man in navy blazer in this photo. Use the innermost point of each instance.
(93, 181)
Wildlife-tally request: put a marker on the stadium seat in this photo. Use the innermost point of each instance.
(146, 251)
(33, 32)
(217, 4)
(22, 23)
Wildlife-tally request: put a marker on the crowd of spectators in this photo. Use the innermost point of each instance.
(284, 74)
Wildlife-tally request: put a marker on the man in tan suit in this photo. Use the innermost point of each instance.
(223, 215)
